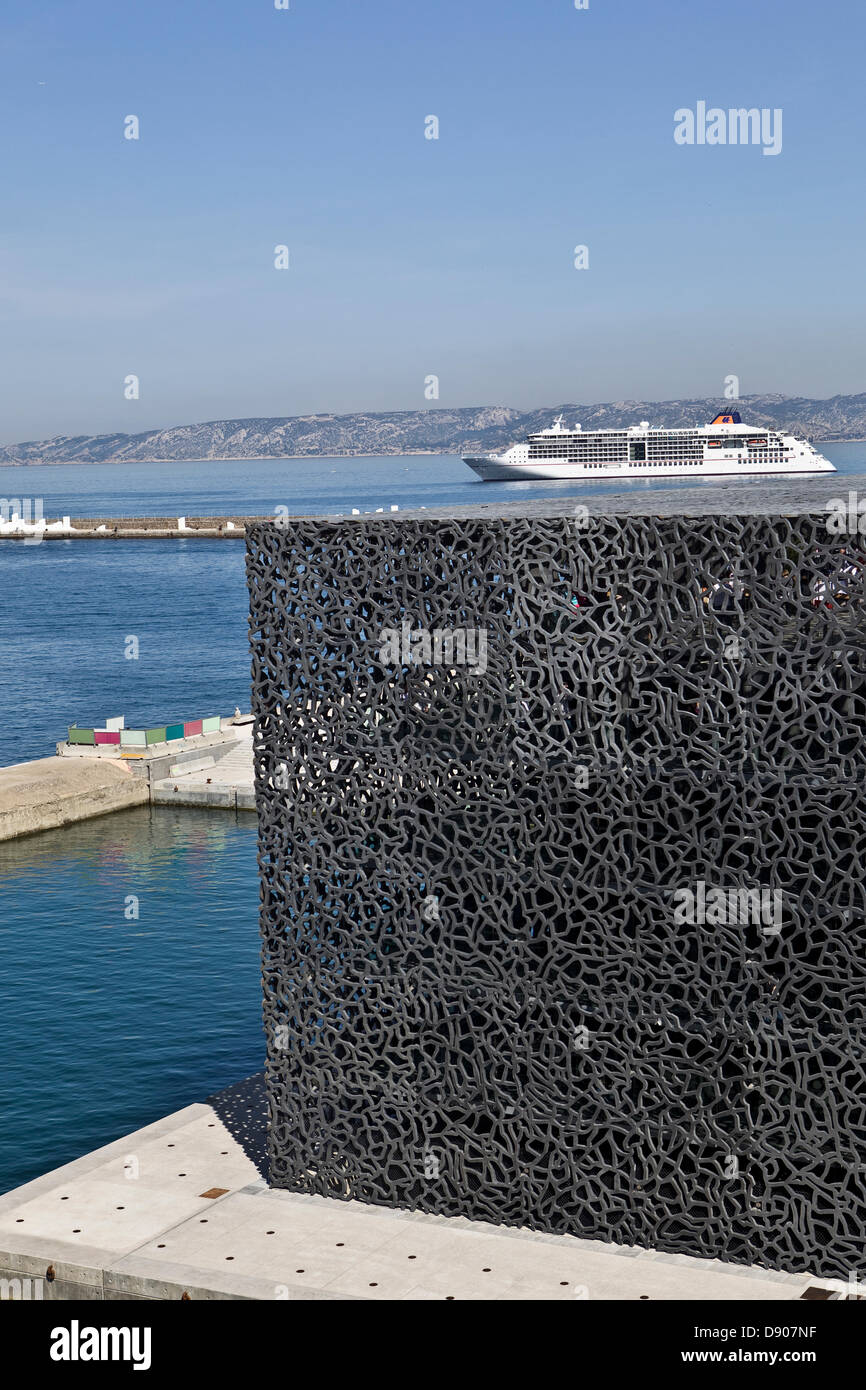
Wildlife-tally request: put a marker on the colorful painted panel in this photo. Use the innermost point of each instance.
(136, 738)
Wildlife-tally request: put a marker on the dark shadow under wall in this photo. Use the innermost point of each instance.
(243, 1109)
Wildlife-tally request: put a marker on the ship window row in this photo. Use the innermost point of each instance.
(770, 456)
(656, 454)
(659, 456)
(578, 457)
(689, 450)
(596, 438)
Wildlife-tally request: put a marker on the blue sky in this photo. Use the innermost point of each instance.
(412, 257)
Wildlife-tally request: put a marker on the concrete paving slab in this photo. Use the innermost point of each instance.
(227, 784)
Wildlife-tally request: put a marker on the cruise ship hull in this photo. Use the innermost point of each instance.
(493, 468)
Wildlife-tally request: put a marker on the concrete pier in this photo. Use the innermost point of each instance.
(84, 781)
(181, 1209)
(51, 792)
(221, 776)
(128, 528)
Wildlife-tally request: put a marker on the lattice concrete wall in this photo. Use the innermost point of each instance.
(479, 999)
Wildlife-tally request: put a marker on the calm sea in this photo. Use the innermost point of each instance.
(69, 606)
(109, 1020)
(309, 486)
(112, 1019)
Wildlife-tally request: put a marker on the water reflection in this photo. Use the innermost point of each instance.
(129, 976)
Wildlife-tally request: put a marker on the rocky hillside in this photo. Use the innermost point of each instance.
(428, 431)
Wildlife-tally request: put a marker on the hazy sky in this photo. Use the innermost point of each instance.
(411, 257)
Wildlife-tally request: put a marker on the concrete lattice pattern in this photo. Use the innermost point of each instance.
(479, 999)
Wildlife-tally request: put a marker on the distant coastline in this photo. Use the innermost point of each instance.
(427, 433)
(233, 458)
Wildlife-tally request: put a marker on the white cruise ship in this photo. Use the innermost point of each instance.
(723, 448)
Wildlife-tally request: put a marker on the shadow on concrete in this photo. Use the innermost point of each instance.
(243, 1109)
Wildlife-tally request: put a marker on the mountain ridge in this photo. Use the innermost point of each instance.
(465, 429)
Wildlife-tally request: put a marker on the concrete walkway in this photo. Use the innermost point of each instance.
(180, 1209)
(222, 779)
(57, 791)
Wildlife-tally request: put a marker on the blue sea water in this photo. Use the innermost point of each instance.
(108, 1021)
(111, 1021)
(67, 607)
(306, 486)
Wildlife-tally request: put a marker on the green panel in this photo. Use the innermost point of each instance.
(81, 736)
(136, 737)
(211, 726)
(174, 731)
(156, 735)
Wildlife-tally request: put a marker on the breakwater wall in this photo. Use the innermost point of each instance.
(51, 792)
(127, 528)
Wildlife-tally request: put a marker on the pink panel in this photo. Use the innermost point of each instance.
(106, 736)
(193, 727)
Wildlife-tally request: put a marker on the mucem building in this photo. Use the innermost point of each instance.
(562, 866)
